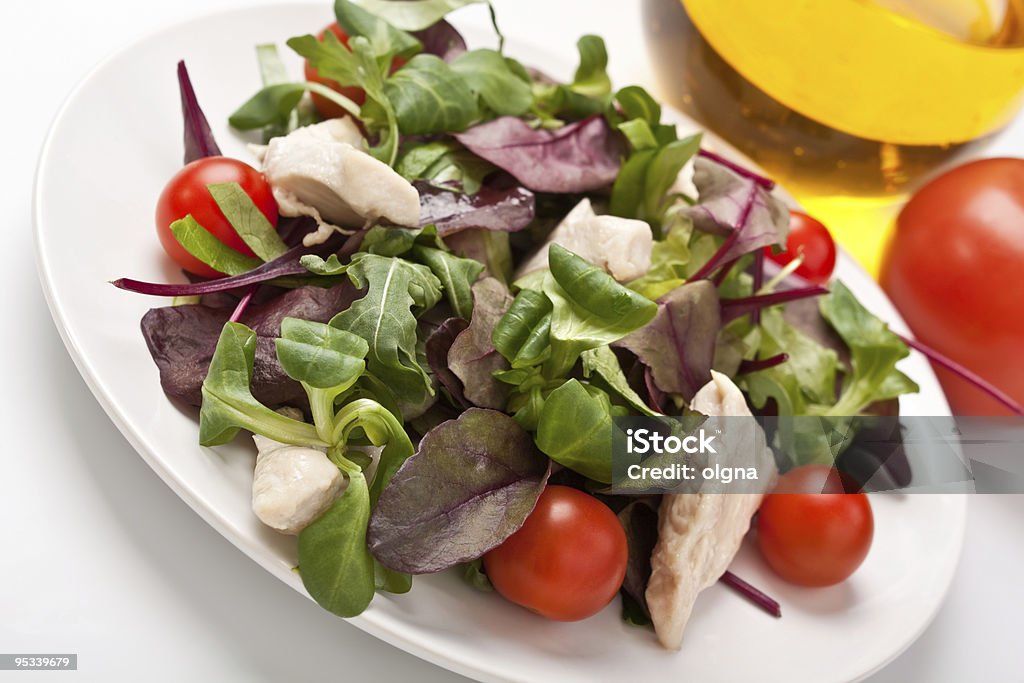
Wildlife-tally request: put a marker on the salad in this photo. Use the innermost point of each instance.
(440, 279)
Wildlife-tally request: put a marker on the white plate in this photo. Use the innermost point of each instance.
(114, 144)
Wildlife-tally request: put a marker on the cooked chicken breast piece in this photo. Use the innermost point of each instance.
(700, 533)
(292, 485)
(622, 246)
(321, 171)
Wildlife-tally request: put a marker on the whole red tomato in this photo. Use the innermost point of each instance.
(567, 561)
(808, 237)
(955, 269)
(187, 193)
(324, 107)
(811, 532)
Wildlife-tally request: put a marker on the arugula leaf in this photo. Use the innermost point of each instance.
(326, 268)
(355, 65)
(397, 290)
(387, 41)
(523, 335)
(575, 430)
(813, 365)
(248, 221)
(199, 242)
(488, 75)
(590, 309)
(874, 352)
(429, 97)
(228, 403)
(443, 162)
(602, 361)
(334, 561)
(414, 15)
(456, 274)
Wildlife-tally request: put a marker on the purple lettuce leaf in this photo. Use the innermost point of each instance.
(286, 265)
(436, 348)
(639, 520)
(441, 39)
(199, 141)
(472, 357)
(470, 485)
(739, 207)
(678, 345)
(507, 210)
(182, 339)
(581, 157)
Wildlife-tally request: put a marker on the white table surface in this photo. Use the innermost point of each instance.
(98, 557)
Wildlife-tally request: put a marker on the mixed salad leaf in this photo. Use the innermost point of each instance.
(445, 387)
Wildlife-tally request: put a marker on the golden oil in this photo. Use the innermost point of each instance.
(848, 103)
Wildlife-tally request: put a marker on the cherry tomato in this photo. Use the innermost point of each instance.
(187, 193)
(811, 532)
(324, 107)
(810, 238)
(954, 269)
(568, 560)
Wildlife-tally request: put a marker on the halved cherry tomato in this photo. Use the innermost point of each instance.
(187, 193)
(811, 239)
(811, 532)
(567, 561)
(324, 107)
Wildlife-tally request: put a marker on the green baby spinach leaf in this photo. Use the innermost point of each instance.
(397, 290)
(456, 274)
(590, 309)
(523, 335)
(591, 78)
(334, 561)
(199, 242)
(275, 104)
(325, 360)
(637, 103)
(429, 97)
(228, 403)
(575, 430)
(489, 75)
(248, 221)
(386, 39)
(414, 15)
(469, 486)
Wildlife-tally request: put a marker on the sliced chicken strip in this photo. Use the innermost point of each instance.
(700, 533)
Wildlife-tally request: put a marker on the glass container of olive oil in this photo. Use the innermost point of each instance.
(848, 103)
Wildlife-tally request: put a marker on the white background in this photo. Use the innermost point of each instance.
(97, 555)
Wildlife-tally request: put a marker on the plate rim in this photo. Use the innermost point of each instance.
(372, 622)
